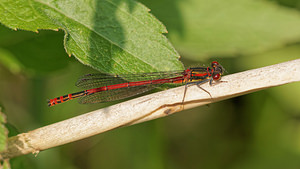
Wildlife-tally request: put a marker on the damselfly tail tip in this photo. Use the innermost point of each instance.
(49, 103)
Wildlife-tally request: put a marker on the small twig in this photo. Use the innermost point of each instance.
(150, 107)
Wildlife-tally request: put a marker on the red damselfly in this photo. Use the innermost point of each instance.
(105, 87)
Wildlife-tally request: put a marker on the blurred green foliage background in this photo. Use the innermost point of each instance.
(258, 130)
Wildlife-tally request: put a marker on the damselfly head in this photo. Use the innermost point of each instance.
(217, 77)
(214, 64)
(218, 71)
(217, 67)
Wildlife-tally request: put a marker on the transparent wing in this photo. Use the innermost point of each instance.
(99, 79)
(117, 94)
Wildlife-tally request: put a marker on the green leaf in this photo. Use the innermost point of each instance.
(6, 164)
(3, 132)
(115, 36)
(215, 27)
(3, 139)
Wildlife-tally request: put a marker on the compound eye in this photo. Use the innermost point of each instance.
(214, 64)
(217, 77)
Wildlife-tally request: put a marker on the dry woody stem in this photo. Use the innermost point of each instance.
(150, 107)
